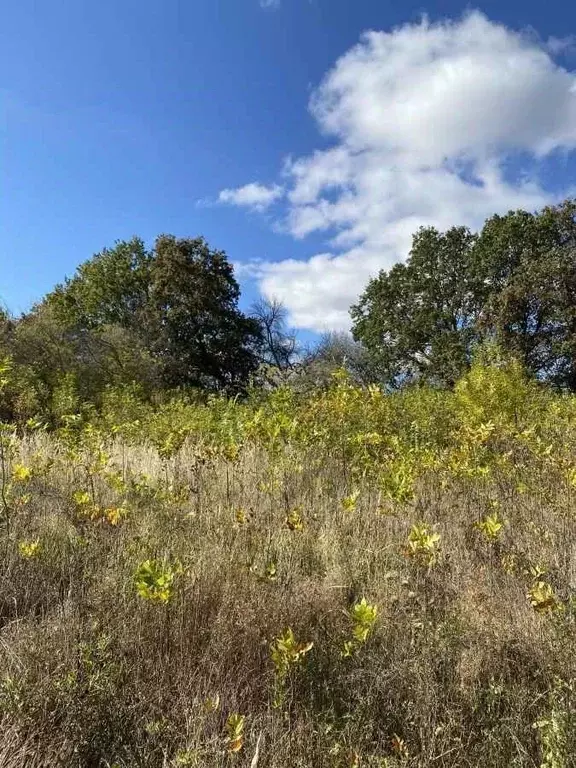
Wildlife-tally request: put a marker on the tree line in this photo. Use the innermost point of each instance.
(160, 319)
(168, 318)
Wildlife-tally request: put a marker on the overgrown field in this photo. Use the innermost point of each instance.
(341, 579)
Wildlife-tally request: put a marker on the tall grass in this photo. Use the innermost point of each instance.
(151, 564)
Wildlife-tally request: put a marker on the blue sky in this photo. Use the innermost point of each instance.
(122, 118)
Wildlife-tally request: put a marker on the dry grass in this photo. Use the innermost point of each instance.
(457, 671)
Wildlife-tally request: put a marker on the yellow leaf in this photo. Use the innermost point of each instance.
(21, 474)
(29, 549)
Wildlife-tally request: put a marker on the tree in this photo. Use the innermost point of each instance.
(279, 345)
(531, 310)
(534, 316)
(47, 354)
(193, 321)
(513, 283)
(111, 288)
(6, 330)
(177, 302)
(418, 320)
(338, 351)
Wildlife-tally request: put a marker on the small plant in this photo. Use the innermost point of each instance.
(114, 515)
(344, 758)
(155, 727)
(363, 616)
(235, 733)
(542, 598)
(29, 549)
(22, 499)
(21, 473)
(11, 695)
(154, 580)
(509, 562)
(354, 759)
(397, 483)
(423, 545)
(82, 499)
(115, 479)
(294, 520)
(399, 747)
(349, 502)
(187, 758)
(286, 652)
(490, 527)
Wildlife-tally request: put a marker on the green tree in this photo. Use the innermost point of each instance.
(513, 283)
(178, 303)
(507, 243)
(111, 288)
(531, 310)
(48, 355)
(534, 316)
(418, 320)
(194, 325)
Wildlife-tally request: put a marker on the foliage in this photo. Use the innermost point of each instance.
(286, 653)
(235, 732)
(542, 597)
(514, 282)
(196, 329)
(423, 545)
(166, 317)
(490, 526)
(108, 289)
(553, 726)
(29, 549)
(363, 617)
(158, 553)
(154, 580)
(418, 320)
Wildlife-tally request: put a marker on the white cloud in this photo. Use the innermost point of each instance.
(423, 118)
(254, 195)
(428, 92)
(270, 4)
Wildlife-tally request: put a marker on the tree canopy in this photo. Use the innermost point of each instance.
(178, 301)
(165, 317)
(168, 317)
(513, 283)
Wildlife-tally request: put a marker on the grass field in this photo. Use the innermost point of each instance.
(338, 579)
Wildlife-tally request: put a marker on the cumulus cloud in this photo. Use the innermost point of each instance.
(428, 92)
(423, 120)
(254, 195)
